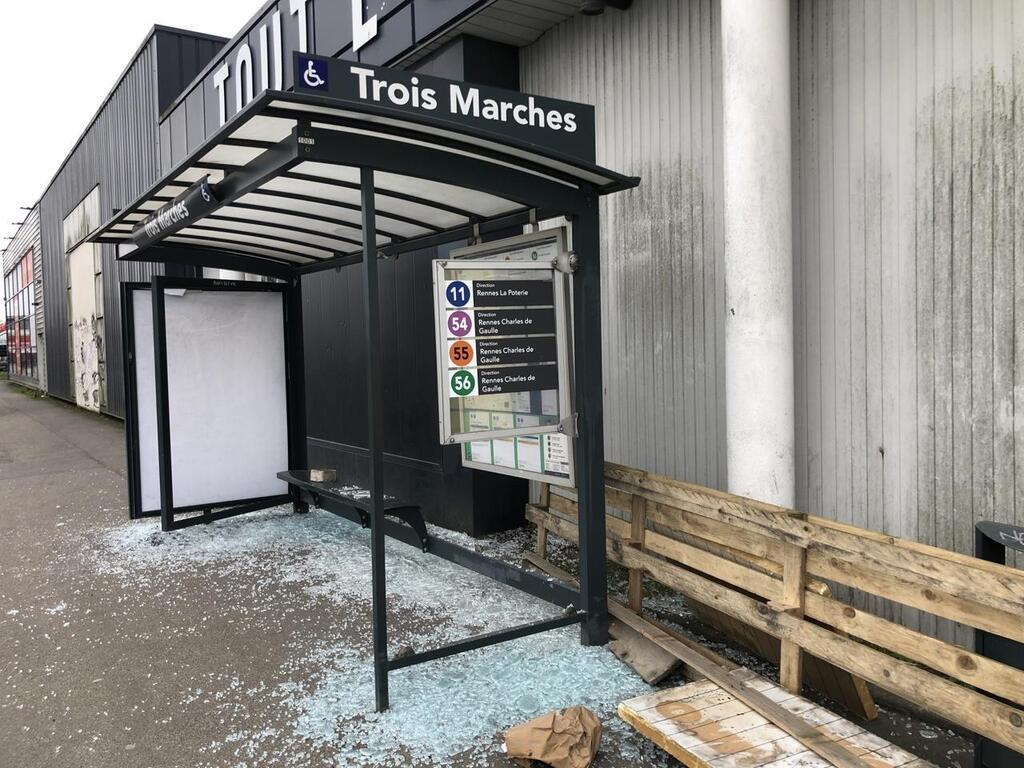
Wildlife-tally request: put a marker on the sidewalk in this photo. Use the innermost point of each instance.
(244, 643)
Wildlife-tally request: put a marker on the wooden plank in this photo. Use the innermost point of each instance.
(648, 660)
(965, 707)
(890, 582)
(543, 502)
(638, 529)
(793, 587)
(544, 497)
(765, 551)
(542, 540)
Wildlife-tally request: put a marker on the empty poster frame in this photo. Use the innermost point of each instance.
(226, 507)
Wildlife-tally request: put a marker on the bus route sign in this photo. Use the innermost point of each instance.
(503, 343)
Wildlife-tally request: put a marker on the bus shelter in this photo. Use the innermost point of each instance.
(356, 164)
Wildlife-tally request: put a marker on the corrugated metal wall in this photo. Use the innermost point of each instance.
(909, 249)
(27, 237)
(653, 74)
(910, 233)
(120, 152)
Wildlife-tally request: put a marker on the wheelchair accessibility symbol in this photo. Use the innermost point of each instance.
(315, 75)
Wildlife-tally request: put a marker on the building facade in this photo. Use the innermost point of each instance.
(907, 228)
(23, 304)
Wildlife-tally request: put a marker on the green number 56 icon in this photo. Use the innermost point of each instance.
(463, 383)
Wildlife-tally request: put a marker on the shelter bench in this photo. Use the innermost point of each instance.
(409, 513)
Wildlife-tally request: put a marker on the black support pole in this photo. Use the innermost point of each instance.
(374, 423)
(586, 243)
(296, 364)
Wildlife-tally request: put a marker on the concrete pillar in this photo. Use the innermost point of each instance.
(757, 138)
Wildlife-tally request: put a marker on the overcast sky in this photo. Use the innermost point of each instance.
(59, 60)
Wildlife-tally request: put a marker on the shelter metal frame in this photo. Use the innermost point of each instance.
(133, 450)
(256, 178)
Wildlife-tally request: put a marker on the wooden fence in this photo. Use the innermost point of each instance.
(763, 565)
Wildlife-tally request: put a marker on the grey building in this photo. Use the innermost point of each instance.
(23, 304)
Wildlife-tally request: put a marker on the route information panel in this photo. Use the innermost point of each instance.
(502, 329)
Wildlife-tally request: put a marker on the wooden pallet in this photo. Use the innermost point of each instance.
(704, 726)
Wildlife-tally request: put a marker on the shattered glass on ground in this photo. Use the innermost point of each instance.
(445, 712)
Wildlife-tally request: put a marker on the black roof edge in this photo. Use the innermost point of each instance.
(117, 84)
(619, 182)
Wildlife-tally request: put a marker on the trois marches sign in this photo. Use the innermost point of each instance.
(196, 201)
(561, 125)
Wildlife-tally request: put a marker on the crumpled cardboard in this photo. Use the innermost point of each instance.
(566, 738)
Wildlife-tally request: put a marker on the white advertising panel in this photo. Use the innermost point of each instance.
(145, 402)
(227, 395)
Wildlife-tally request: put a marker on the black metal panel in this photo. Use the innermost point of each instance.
(434, 15)
(392, 38)
(180, 57)
(333, 22)
(179, 142)
(118, 151)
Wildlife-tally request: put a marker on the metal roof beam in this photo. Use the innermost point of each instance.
(200, 257)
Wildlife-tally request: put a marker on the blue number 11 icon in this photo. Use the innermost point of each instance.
(458, 293)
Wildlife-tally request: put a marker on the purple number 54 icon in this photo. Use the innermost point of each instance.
(460, 323)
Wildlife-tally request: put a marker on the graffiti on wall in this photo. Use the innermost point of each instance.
(87, 343)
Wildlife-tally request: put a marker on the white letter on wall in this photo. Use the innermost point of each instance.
(362, 32)
(222, 99)
(243, 76)
(270, 50)
(298, 7)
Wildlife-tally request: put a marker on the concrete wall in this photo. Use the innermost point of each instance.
(908, 248)
(653, 73)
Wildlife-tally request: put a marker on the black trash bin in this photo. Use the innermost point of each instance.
(990, 543)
